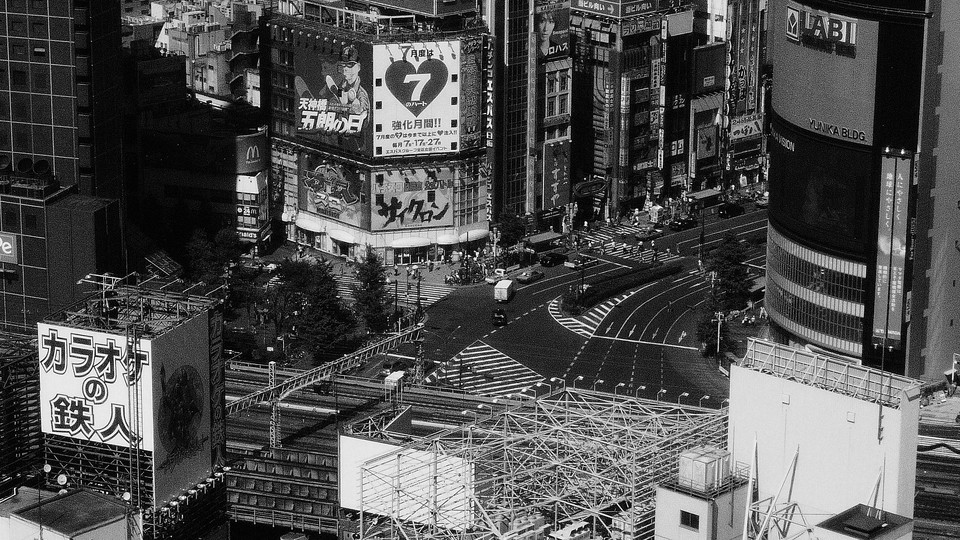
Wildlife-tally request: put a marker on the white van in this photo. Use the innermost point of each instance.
(503, 290)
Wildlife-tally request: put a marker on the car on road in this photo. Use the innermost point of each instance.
(530, 276)
(582, 262)
(496, 276)
(552, 259)
(763, 202)
(683, 223)
(499, 317)
(650, 233)
(730, 209)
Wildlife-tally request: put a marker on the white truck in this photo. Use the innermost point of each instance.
(504, 289)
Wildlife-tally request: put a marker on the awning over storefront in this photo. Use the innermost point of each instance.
(410, 242)
(542, 237)
(342, 236)
(447, 239)
(309, 223)
(470, 236)
(251, 184)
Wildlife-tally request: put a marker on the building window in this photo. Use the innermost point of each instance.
(563, 82)
(690, 520)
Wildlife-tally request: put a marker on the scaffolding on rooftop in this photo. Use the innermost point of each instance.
(572, 455)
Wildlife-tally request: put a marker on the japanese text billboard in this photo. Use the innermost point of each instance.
(896, 174)
(472, 81)
(333, 100)
(412, 198)
(85, 378)
(828, 84)
(556, 174)
(416, 98)
(333, 189)
(181, 395)
(552, 19)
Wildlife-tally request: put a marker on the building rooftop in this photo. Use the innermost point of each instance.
(866, 522)
(75, 512)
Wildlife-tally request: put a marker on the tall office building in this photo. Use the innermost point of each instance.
(59, 91)
(843, 241)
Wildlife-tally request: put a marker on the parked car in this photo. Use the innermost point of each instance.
(552, 259)
(529, 276)
(649, 233)
(496, 276)
(763, 202)
(499, 317)
(730, 209)
(683, 223)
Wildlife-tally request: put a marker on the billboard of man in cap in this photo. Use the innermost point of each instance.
(349, 91)
(333, 105)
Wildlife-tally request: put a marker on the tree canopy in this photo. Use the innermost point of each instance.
(372, 301)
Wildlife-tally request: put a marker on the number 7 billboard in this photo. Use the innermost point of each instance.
(416, 92)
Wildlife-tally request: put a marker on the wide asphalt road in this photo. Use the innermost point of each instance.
(646, 345)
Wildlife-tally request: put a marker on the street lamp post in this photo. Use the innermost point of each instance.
(618, 386)
(700, 404)
(660, 393)
(595, 383)
(639, 389)
(549, 387)
(681, 396)
(579, 378)
(559, 381)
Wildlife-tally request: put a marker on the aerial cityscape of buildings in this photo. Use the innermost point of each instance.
(498, 270)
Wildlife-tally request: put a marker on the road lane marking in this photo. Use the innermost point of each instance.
(642, 342)
(683, 334)
(632, 330)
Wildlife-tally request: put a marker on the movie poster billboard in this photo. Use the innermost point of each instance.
(416, 98)
(556, 174)
(896, 174)
(552, 21)
(413, 198)
(333, 84)
(85, 378)
(333, 189)
(706, 142)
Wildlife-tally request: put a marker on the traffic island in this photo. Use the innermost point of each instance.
(578, 300)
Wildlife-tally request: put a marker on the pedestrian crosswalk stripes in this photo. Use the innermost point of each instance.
(430, 293)
(484, 370)
(585, 324)
(611, 242)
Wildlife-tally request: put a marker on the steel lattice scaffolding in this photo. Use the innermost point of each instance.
(573, 455)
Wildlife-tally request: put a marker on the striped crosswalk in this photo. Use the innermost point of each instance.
(484, 370)
(429, 293)
(610, 241)
(587, 323)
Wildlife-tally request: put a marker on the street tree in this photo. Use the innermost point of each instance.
(731, 286)
(285, 299)
(372, 302)
(326, 326)
(201, 262)
(512, 229)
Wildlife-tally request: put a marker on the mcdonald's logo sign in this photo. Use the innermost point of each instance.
(253, 154)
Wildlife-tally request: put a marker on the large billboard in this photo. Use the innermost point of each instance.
(817, 189)
(181, 395)
(744, 38)
(828, 78)
(472, 81)
(896, 173)
(552, 21)
(333, 189)
(333, 85)
(413, 198)
(556, 174)
(416, 98)
(85, 382)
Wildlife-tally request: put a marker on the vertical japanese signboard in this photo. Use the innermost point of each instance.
(85, 378)
(333, 84)
(416, 98)
(556, 174)
(412, 198)
(333, 189)
(896, 174)
(218, 395)
(472, 80)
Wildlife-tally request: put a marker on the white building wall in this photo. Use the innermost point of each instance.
(669, 505)
(840, 456)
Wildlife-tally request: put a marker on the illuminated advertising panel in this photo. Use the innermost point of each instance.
(744, 39)
(552, 21)
(252, 153)
(706, 142)
(742, 127)
(218, 395)
(891, 250)
(556, 174)
(412, 198)
(85, 380)
(333, 84)
(472, 80)
(181, 395)
(8, 248)
(333, 189)
(829, 78)
(817, 189)
(416, 94)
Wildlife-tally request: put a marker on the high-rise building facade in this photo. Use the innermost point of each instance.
(844, 142)
(59, 91)
(378, 128)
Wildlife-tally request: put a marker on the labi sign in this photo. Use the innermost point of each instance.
(821, 30)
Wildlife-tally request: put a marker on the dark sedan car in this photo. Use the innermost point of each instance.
(730, 209)
(552, 259)
(529, 276)
(499, 317)
(648, 234)
(683, 223)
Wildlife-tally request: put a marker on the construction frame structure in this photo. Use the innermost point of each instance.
(20, 441)
(568, 457)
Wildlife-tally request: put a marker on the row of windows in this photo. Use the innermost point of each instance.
(813, 276)
(814, 322)
(38, 7)
(557, 105)
(283, 488)
(557, 81)
(264, 501)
